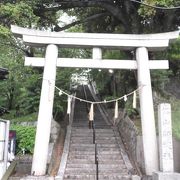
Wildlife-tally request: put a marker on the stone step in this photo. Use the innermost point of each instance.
(105, 138)
(118, 171)
(81, 166)
(75, 142)
(80, 123)
(78, 141)
(82, 153)
(111, 157)
(101, 141)
(112, 166)
(99, 135)
(83, 150)
(87, 157)
(81, 130)
(82, 145)
(87, 149)
(79, 116)
(79, 177)
(85, 131)
(80, 170)
(113, 176)
(116, 162)
(107, 146)
(101, 126)
(82, 135)
(81, 138)
(107, 160)
(108, 153)
(107, 149)
(81, 156)
(102, 159)
(104, 130)
(81, 161)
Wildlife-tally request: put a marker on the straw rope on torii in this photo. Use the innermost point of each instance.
(92, 103)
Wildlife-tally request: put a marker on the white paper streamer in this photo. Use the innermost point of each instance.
(60, 93)
(116, 110)
(69, 105)
(125, 98)
(91, 113)
(134, 100)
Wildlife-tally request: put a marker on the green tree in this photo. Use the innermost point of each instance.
(17, 89)
(174, 57)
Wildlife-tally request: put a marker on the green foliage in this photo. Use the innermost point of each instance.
(30, 93)
(25, 138)
(12, 115)
(9, 89)
(4, 32)
(174, 57)
(21, 90)
(147, 11)
(175, 118)
(159, 78)
(20, 13)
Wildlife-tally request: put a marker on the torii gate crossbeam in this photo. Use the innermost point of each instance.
(141, 43)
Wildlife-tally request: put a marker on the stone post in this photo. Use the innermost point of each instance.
(147, 112)
(45, 112)
(165, 138)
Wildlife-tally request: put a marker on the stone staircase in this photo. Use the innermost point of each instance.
(94, 154)
(81, 158)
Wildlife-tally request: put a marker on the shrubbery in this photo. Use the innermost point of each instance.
(25, 138)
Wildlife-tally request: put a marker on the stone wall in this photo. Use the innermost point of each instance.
(28, 123)
(176, 153)
(129, 134)
(24, 163)
(55, 129)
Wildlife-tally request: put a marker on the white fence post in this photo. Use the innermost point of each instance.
(4, 140)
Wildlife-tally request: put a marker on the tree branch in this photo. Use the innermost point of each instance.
(90, 18)
(110, 6)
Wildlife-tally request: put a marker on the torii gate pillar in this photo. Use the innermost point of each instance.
(45, 112)
(147, 112)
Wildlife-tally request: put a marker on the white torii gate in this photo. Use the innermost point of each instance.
(140, 43)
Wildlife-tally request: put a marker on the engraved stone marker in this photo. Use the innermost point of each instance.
(165, 138)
